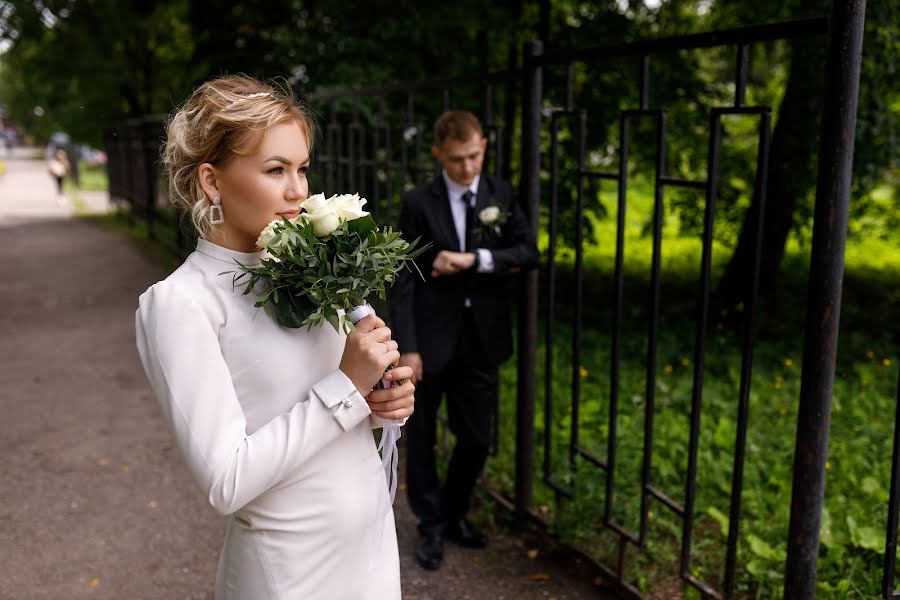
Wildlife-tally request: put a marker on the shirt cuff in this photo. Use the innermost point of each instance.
(485, 260)
(336, 390)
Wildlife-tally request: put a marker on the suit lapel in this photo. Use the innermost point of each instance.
(485, 195)
(443, 214)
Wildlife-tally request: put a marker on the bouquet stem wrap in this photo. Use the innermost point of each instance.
(390, 435)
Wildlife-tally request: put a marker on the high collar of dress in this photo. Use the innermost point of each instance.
(227, 255)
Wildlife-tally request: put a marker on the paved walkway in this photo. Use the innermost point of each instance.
(94, 500)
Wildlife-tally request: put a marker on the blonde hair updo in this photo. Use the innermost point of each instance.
(222, 118)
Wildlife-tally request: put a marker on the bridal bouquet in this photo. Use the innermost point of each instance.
(325, 263)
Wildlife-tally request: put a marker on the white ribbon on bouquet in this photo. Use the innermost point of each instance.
(390, 435)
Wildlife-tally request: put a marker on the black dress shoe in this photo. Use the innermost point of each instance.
(430, 548)
(463, 533)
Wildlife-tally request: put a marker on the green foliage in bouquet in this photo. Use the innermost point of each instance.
(310, 280)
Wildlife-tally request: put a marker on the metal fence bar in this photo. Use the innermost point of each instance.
(578, 291)
(826, 271)
(615, 355)
(700, 344)
(529, 192)
(653, 325)
(890, 545)
(737, 481)
(724, 37)
(550, 313)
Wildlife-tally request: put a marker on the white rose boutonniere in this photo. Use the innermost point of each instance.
(491, 218)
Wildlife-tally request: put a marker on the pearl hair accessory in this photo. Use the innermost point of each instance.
(248, 97)
(216, 216)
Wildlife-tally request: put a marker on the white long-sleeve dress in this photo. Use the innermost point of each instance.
(274, 433)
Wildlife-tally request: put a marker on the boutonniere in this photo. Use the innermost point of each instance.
(490, 219)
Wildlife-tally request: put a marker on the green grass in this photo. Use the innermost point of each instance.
(865, 393)
(92, 179)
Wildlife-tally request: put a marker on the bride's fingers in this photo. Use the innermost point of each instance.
(392, 394)
(395, 405)
(380, 334)
(400, 373)
(394, 415)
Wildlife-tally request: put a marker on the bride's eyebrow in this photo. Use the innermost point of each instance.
(285, 161)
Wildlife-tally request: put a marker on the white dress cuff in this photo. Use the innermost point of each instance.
(336, 390)
(379, 422)
(485, 260)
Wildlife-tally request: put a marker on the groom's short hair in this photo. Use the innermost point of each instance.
(458, 125)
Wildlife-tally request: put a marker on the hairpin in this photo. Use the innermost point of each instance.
(248, 97)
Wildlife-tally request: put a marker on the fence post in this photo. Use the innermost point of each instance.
(529, 191)
(845, 37)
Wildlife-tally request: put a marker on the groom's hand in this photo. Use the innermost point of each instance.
(413, 360)
(451, 263)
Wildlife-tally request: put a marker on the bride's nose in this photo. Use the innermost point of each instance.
(296, 191)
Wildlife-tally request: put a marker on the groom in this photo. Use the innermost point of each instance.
(453, 328)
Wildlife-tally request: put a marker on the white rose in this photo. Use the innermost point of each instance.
(489, 215)
(315, 202)
(267, 236)
(324, 221)
(349, 206)
(321, 213)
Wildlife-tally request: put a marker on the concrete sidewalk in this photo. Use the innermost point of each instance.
(95, 501)
(28, 192)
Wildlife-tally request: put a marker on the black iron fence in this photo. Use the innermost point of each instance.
(376, 141)
(136, 179)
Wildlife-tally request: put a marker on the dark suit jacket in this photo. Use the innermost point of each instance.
(426, 316)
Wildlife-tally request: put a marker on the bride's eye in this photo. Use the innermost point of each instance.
(303, 170)
(276, 171)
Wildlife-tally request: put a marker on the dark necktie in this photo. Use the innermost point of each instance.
(470, 221)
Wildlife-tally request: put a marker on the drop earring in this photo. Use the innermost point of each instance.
(216, 216)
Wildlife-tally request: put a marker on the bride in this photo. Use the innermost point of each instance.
(274, 423)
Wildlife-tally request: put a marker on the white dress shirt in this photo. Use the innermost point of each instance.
(458, 208)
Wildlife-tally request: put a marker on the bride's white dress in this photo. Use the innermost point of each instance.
(274, 433)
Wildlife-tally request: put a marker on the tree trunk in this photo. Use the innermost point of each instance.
(792, 175)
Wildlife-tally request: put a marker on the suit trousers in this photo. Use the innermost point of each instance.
(470, 383)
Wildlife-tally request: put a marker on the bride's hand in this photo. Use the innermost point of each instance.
(395, 402)
(368, 351)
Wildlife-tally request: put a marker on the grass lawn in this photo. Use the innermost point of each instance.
(865, 393)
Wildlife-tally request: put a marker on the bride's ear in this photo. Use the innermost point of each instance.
(208, 178)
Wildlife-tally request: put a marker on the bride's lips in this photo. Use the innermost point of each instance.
(289, 214)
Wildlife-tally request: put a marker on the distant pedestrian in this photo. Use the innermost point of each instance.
(58, 167)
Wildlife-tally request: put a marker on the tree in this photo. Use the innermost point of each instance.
(792, 167)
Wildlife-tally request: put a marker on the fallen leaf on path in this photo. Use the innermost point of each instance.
(94, 582)
(126, 467)
(539, 577)
(533, 553)
(103, 462)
